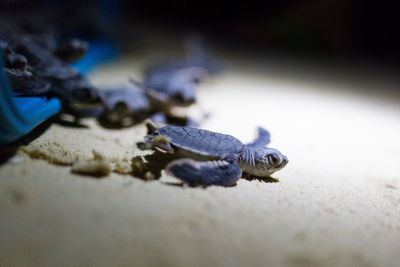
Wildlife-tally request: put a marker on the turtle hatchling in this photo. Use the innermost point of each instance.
(202, 157)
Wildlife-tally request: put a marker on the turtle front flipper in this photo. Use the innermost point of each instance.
(149, 167)
(262, 140)
(217, 172)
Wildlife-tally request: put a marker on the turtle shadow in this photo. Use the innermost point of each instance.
(175, 184)
(267, 180)
(9, 150)
(6, 152)
(70, 123)
(133, 121)
(185, 185)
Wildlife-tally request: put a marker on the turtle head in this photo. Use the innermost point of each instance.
(262, 162)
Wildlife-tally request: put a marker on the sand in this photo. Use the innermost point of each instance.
(335, 204)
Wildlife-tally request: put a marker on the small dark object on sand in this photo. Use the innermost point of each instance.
(201, 157)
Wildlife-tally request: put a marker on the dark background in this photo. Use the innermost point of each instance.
(329, 27)
(324, 28)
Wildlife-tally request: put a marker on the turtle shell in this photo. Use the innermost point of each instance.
(133, 98)
(202, 142)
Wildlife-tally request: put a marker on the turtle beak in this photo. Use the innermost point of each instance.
(285, 161)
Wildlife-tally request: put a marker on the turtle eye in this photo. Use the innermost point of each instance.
(273, 159)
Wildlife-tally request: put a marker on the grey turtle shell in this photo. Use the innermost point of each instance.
(134, 99)
(201, 141)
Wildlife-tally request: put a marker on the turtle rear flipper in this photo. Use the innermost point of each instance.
(262, 140)
(217, 172)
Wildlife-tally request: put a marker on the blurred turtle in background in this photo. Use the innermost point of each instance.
(175, 82)
(36, 64)
(132, 103)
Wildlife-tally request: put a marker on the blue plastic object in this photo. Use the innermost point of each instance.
(100, 51)
(20, 115)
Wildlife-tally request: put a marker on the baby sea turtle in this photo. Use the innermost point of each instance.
(71, 50)
(202, 157)
(174, 85)
(32, 69)
(175, 81)
(125, 105)
(132, 103)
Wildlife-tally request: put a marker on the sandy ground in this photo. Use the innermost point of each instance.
(335, 204)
